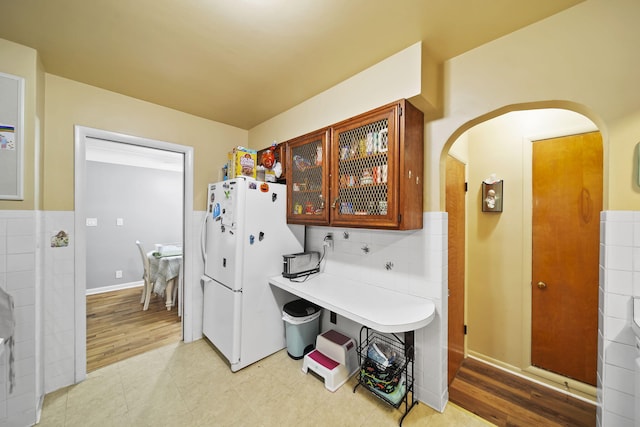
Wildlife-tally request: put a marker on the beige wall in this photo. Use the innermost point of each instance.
(396, 77)
(622, 180)
(70, 103)
(23, 62)
(569, 60)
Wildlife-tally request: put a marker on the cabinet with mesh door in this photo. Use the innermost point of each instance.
(307, 174)
(370, 174)
(376, 169)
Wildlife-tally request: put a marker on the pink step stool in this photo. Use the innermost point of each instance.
(334, 359)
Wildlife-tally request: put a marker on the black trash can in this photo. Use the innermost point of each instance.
(302, 326)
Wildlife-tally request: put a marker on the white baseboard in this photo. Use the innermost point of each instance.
(119, 287)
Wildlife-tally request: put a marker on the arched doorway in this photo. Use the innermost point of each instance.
(498, 246)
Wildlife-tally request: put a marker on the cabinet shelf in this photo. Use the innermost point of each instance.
(367, 157)
(307, 169)
(361, 187)
(306, 191)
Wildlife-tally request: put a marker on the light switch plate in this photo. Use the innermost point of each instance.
(119, 221)
(92, 222)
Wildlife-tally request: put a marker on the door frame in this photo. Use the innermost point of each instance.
(80, 264)
(527, 241)
(465, 164)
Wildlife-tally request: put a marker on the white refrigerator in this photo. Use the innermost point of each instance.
(245, 234)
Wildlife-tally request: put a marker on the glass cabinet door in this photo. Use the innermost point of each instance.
(364, 170)
(307, 179)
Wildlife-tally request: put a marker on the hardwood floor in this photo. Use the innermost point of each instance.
(117, 328)
(508, 400)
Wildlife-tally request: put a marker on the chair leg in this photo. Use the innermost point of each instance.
(144, 292)
(147, 296)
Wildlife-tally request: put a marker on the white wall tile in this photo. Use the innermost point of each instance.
(21, 262)
(618, 306)
(620, 379)
(21, 244)
(59, 294)
(17, 276)
(617, 233)
(21, 226)
(618, 402)
(615, 420)
(618, 258)
(618, 354)
(21, 280)
(618, 330)
(613, 216)
(618, 281)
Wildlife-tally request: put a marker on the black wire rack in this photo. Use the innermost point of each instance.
(392, 383)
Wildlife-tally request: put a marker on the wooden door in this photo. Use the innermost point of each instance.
(567, 200)
(455, 206)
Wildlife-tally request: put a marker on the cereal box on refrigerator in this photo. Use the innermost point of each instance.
(243, 162)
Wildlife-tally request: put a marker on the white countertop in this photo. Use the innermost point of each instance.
(377, 308)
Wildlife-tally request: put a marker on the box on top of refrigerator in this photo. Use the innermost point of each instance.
(242, 162)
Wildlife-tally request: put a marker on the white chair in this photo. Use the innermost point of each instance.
(147, 288)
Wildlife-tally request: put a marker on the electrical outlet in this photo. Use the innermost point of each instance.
(328, 240)
(118, 274)
(119, 221)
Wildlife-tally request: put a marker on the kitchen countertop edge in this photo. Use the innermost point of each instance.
(315, 289)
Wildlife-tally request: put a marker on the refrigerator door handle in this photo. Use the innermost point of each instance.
(203, 237)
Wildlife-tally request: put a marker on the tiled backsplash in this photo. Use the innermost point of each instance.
(619, 281)
(59, 295)
(411, 262)
(18, 247)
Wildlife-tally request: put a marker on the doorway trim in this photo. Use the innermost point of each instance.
(80, 264)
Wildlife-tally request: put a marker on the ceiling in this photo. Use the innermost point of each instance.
(241, 62)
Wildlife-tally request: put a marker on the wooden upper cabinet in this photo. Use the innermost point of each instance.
(307, 172)
(376, 171)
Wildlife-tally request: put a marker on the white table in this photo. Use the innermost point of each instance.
(377, 308)
(164, 272)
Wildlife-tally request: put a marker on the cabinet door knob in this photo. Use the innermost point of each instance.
(542, 285)
(333, 205)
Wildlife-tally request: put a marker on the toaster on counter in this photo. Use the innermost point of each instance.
(300, 264)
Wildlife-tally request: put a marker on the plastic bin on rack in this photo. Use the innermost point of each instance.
(302, 326)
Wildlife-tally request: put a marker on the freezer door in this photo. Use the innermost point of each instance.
(221, 319)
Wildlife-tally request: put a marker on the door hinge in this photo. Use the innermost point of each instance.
(399, 218)
(465, 329)
(466, 187)
(399, 111)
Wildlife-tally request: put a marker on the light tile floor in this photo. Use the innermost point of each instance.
(190, 385)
